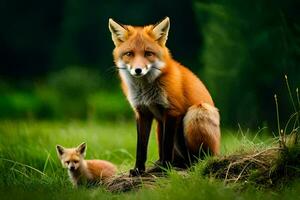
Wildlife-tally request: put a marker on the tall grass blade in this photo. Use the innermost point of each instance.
(298, 99)
(24, 165)
(293, 103)
(22, 173)
(290, 93)
(46, 162)
(281, 139)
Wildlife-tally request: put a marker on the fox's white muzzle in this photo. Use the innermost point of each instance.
(138, 71)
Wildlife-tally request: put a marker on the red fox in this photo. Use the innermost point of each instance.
(84, 172)
(158, 87)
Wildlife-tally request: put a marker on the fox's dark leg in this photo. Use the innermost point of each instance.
(166, 131)
(159, 131)
(181, 157)
(169, 130)
(144, 122)
(175, 151)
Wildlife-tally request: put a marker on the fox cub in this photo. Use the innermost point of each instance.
(81, 171)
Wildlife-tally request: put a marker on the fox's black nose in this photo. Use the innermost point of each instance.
(138, 71)
(72, 168)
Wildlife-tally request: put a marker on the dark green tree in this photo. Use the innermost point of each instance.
(248, 48)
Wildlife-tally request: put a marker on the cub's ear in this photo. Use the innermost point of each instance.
(81, 148)
(60, 150)
(161, 31)
(118, 32)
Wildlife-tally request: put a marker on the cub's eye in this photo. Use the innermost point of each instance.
(128, 54)
(149, 53)
(67, 162)
(75, 161)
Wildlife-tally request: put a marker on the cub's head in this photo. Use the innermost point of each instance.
(140, 50)
(71, 157)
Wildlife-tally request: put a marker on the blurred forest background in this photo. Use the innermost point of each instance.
(56, 56)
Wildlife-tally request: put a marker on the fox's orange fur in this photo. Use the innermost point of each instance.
(83, 171)
(146, 66)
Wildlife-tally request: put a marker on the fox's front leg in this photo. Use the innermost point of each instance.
(168, 138)
(144, 122)
(167, 128)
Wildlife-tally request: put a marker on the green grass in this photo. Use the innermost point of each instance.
(29, 167)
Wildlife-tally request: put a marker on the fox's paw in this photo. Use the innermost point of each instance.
(136, 172)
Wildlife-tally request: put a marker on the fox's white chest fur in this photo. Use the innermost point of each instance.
(145, 92)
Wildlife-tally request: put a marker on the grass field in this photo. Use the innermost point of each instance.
(29, 167)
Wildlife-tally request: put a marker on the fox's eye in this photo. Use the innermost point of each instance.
(149, 53)
(128, 54)
(75, 161)
(67, 162)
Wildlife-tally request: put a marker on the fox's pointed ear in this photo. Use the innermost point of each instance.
(81, 148)
(60, 150)
(161, 31)
(118, 32)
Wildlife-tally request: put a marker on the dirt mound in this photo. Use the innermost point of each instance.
(124, 183)
(271, 167)
(240, 167)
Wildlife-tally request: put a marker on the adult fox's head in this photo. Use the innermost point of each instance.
(71, 158)
(140, 51)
